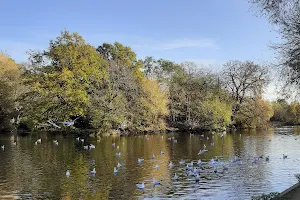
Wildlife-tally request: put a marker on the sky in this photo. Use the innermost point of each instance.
(208, 32)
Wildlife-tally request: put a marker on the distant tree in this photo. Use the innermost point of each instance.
(243, 80)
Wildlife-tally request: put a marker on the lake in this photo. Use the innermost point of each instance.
(30, 171)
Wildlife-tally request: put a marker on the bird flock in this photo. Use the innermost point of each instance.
(193, 169)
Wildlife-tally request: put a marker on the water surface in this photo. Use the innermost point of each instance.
(30, 171)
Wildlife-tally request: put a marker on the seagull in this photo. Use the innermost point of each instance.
(3, 147)
(175, 177)
(155, 182)
(115, 170)
(225, 167)
(197, 178)
(181, 162)
(55, 142)
(162, 153)
(36, 143)
(68, 173)
(39, 140)
(153, 156)
(77, 139)
(82, 140)
(119, 165)
(199, 162)
(171, 164)
(156, 167)
(140, 160)
(15, 143)
(204, 146)
(53, 124)
(212, 144)
(118, 147)
(175, 141)
(118, 154)
(86, 147)
(92, 146)
(215, 170)
(93, 172)
(141, 186)
(69, 123)
(113, 144)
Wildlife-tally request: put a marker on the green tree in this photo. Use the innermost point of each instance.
(61, 78)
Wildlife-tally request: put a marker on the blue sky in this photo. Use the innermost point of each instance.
(204, 31)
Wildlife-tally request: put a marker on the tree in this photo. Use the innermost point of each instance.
(61, 78)
(285, 15)
(243, 80)
(254, 113)
(9, 90)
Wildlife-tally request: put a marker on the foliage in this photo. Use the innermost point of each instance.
(286, 112)
(298, 177)
(110, 89)
(254, 114)
(9, 90)
(272, 195)
(244, 81)
(284, 14)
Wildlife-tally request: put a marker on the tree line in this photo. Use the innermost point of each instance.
(108, 88)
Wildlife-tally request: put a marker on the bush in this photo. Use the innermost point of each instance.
(272, 195)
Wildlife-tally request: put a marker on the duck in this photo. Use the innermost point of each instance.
(93, 172)
(175, 177)
(68, 173)
(115, 170)
(267, 158)
(284, 156)
(141, 186)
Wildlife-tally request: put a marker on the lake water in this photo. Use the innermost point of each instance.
(29, 171)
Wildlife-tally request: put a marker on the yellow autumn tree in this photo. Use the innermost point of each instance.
(154, 105)
(9, 78)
